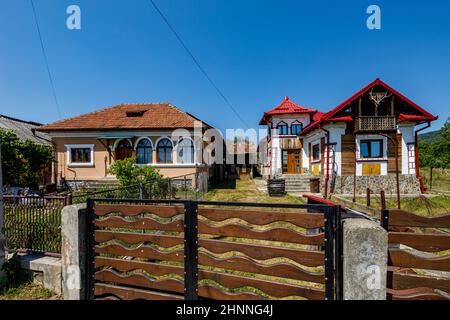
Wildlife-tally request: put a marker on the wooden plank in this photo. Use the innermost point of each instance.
(126, 293)
(135, 210)
(424, 242)
(304, 220)
(272, 234)
(272, 288)
(136, 238)
(265, 252)
(401, 281)
(348, 154)
(283, 270)
(402, 218)
(142, 223)
(141, 252)
(415, 294)
(403, 258)
(140, 280)
(123, 265)
(211, 292)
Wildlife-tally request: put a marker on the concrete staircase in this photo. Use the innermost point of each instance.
(297, 183)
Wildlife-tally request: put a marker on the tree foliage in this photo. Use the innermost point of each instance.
(133, 176)
(23, 161)
(438, 151)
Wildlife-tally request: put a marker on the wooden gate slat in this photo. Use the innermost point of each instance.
(423, 242)
(143, 223)
(135, 210)
(272, 234)
(284, 270)
(304, 220)
(126, 293)
(140, 280)
(402, 258)
(272, 288)
(264, 252)
(400, 218)
(155, 269)
(141, 252)
(409, 281)
(136, 238)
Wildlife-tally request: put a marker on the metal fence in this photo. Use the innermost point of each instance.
(33, 223)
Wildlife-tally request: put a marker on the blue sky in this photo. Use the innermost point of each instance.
(316, 52)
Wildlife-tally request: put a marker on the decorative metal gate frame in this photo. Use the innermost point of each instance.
(332, 239)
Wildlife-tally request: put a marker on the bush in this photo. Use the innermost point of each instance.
(133, 176)
(24, 162)
(12, 269)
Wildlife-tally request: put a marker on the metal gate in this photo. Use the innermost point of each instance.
(177, 249)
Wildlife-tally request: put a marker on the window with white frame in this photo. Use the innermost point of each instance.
(80, 154)
(411, 158)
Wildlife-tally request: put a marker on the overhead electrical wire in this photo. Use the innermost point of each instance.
(196, 62)
(45, 59)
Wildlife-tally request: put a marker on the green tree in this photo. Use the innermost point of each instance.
(438, 151)
(23, 161)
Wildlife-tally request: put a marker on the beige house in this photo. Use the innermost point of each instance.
(157, 134)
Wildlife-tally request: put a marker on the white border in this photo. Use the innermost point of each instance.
(69, 147)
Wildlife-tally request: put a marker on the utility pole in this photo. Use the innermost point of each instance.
(2, 229)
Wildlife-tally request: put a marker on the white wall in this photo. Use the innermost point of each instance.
(407, 131)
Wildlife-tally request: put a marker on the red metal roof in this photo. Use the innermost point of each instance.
(327, 117)
(285, 107)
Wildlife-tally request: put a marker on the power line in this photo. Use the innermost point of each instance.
(198, 64)
(45, 59)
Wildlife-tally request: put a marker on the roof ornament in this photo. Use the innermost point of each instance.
(378, 97)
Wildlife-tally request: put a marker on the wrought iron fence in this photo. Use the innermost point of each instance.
(33, 223)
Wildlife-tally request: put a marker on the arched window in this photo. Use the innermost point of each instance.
(144, 151)
(282, 128)
(296, 128)
(185, 150)
(124, 149)
(164, 150)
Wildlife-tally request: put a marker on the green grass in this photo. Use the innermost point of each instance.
(29, 291)
(441, 178)
(245, 190)
(432, 206)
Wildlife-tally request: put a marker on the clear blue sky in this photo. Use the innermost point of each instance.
(316, 52)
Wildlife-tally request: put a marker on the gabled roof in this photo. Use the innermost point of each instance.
(25, 130)
(285, 107)
(127, 117)
(328, 117)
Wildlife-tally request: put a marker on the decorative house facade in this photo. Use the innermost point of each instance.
(363, 142)
(87, 145)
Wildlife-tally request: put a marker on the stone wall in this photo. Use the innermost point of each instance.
(409, 184)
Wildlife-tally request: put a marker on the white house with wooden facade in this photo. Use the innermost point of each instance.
(368, 138)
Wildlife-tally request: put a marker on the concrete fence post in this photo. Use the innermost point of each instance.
(365, 247)
(73, 252)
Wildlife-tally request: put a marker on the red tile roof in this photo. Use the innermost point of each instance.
(285, 107)
(123, 116)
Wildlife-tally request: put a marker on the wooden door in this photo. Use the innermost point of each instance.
(292, 161)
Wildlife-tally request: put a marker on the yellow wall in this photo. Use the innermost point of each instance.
(102, 160)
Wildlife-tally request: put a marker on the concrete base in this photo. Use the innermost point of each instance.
(365, 260)
(44, 270)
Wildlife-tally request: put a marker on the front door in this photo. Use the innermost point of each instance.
(292, 161)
